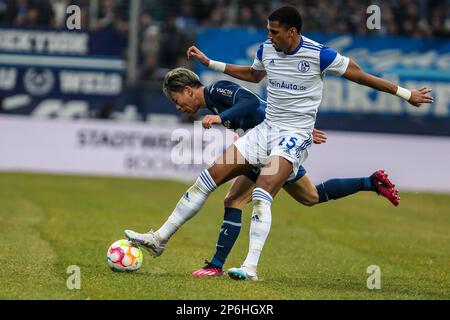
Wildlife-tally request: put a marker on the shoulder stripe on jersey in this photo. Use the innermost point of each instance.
(313, 45)
(312, 48)
(259, 53)
(327, 56)
(309, 41)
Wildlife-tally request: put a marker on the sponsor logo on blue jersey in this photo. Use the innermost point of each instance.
(225, 92)
(286, 85)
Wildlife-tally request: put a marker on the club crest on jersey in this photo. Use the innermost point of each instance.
(303, 66)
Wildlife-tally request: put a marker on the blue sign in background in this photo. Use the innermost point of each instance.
(95, 79)
(408, 57)
(47, 71)
(103, 42)
(410, 62)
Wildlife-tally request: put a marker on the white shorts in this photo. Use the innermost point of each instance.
(265, 140)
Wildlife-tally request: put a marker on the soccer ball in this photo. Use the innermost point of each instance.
(124, 256)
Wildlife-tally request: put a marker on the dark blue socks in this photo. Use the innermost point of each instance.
(338, 188)
(328, 190)
(228, 234)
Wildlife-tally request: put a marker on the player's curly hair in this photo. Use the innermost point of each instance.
(288, 17)
(178, 78)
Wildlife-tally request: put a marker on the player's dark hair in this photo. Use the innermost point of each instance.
(288, 17)
(178, 78)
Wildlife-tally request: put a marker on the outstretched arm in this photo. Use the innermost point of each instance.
(246, 73)
(415, 96)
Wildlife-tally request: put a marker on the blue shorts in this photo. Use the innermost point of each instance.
(253, 175)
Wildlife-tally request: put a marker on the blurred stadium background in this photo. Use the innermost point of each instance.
(112, 69)
(89, 101)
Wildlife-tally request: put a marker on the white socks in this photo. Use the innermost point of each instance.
(193, 200)
(259, 228)
(188, 206)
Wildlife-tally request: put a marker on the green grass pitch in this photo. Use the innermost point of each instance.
(49, 222)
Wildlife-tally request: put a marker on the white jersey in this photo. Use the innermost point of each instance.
(295, 79)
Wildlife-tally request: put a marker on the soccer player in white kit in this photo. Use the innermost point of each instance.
(295, 66)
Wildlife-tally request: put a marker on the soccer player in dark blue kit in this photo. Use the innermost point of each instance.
(235, 107)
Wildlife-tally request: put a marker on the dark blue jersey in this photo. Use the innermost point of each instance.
(238, 107)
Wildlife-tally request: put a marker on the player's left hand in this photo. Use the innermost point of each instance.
(420, 96)
(319, 137)
(209, 120)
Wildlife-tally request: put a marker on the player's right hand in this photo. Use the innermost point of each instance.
(319, 137)
(209, 120)
(193, 51)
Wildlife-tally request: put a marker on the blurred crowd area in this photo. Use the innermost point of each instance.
(52, 13)
(168, 27)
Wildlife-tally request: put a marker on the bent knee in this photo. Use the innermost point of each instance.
(310, 199)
